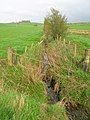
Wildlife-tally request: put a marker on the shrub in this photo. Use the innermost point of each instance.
(55, 25)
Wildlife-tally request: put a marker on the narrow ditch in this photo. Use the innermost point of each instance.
(74, 111)
(53, 90)
(52, 86)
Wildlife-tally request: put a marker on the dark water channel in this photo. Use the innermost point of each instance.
(52, 94)
(53, 90)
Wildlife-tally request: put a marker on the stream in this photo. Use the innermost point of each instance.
(74, 110)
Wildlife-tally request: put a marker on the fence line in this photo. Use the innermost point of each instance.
(12, 54)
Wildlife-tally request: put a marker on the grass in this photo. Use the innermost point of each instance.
(15, 107)
(31, 109)
(22, 93)
(18, 36)
(78, 26)
(83, 42)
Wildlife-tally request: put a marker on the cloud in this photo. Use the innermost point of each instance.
(36, 10)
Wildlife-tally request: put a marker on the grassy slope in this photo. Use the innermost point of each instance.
(18, 36)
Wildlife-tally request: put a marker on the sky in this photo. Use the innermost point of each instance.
(36, 10)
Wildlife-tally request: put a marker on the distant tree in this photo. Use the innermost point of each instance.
(55, 24)
(24, 21)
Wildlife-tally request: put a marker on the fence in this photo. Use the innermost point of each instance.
(12, 54)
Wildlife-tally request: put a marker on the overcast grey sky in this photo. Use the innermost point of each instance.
(36, 10)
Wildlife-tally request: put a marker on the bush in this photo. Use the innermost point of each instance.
(55, 25)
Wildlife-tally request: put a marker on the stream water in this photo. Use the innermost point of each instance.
(53, 96)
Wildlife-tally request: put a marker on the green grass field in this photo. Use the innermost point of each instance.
(18, 36)
(78, 26)
(82, 40)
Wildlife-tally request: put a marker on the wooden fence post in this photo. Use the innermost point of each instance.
(86, 60)
(10, 56)
(14, 57)
(75, 50)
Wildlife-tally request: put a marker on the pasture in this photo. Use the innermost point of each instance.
(18, 36)
(80, 26)
(82, 40)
